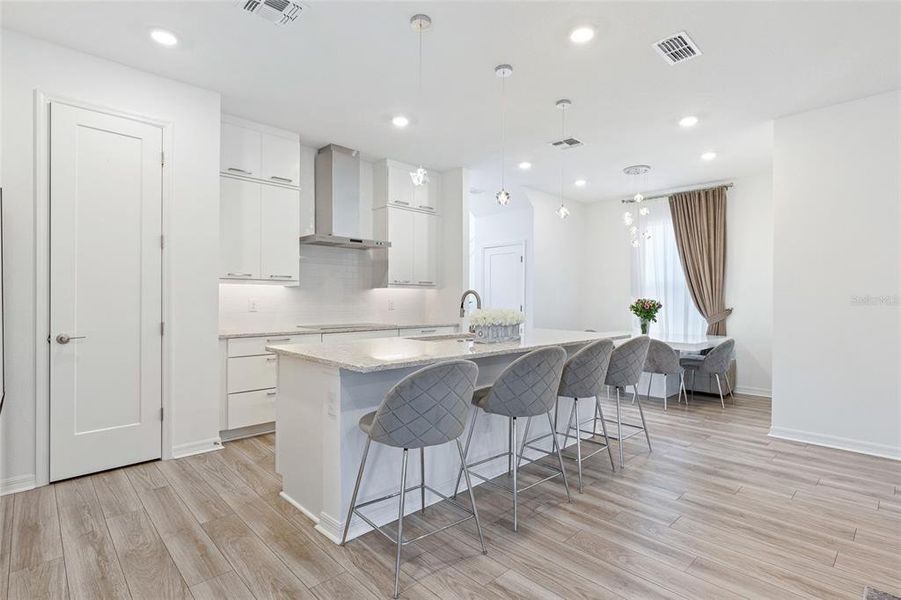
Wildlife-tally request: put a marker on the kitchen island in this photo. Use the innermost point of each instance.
(325, 389)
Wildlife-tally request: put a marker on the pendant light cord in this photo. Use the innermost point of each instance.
(562, 157)
(503, 131)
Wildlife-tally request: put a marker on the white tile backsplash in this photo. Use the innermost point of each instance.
(335, 287)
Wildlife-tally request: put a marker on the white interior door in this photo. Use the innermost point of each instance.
(503, 271)
(105, 291)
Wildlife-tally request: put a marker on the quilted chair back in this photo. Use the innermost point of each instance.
(718, 359)
(662, 359)
(427, 407)
(627, 362)
(528, 386)
(585, 371)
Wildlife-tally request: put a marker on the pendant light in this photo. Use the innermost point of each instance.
(420, 23)
(631, 219)
(562, 104)
(503, 72)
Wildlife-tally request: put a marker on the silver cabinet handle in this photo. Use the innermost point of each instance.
(426, 207)
(427, 330)
(281, 277)
(237, 170)
(285, 179)
(271, 393)
(239, 274)
(402, 202)
(285, 339)
(65, 338)
(273, 359)
(427, 282)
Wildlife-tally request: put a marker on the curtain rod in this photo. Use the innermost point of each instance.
(659, 196)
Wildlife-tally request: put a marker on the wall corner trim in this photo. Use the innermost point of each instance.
(839, 443)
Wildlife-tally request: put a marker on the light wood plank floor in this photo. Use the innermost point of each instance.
(717, 510)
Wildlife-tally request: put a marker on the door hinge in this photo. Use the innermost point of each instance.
(162, 327)
(520, 259)
(162, 241)
(161, 413)
(162, 159)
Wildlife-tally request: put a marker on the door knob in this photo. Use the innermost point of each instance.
(65, 339)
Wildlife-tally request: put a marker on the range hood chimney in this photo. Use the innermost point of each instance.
(338, 201)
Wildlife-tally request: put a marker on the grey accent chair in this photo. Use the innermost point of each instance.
(626, 365)
(426, 408)
(716, 363)
(664, 360)
(583, 378)
(526, 388)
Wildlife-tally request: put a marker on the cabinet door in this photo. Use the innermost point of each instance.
(400, 187)
(425, 232)
(280, 160)
(400, 254)
(239, 151)
(239, 229)
(426, 197)
(307, 190)
(279, 233)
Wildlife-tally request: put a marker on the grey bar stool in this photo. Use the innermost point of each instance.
(426, 408)
(664, 360)
(526, 388)
(583, 378)
(716, 363)
(625, 369)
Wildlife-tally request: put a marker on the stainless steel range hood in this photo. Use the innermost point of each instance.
(338, 201)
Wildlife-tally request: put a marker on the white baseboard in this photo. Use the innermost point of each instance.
(753, 391)
(840, 443)
(22, 483)
(198, 447)
(229, 435)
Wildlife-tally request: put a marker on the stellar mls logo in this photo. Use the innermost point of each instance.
(868, 300)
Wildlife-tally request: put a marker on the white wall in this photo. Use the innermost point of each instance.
(29, 64)
(836, 240)
(749, 281)
(607, 269)
(503, 227)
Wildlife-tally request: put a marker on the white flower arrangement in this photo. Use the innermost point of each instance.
(496, 316)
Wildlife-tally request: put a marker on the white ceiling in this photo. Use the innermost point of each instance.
(343, 69)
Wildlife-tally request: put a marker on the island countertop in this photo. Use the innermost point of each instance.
(366, 356)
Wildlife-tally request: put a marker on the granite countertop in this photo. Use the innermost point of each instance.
(382, 354)
(281, 330)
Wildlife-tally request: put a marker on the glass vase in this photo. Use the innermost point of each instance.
(645, 326)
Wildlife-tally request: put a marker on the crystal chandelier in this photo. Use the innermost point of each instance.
(420, 23)
(629, 218)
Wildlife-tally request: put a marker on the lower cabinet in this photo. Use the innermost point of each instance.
(251, 408)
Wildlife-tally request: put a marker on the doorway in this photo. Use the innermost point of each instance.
(105, 290)
(504, 275)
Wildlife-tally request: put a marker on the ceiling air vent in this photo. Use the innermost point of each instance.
(677, 48)
(280, 12)
(567, 143)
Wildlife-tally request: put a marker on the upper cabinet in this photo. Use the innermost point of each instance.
(260, 206)
(259, 153)
(394, 187)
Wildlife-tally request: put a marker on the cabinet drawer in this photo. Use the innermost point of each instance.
(350, 336)
(257, 345)
(252, 373)
(251, 408)
(414, 331)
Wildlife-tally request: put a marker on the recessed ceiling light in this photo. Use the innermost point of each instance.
(400, 121)
(580, 183)
(164, 37)
(581, 35)
(524, 165)
(689, 121)
(708, 156)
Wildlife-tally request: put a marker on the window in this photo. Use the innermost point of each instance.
(657, 273)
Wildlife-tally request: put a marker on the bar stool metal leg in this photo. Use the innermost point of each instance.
(472, 426)
(599, 412)
(472, 498)
(422, 479)
(353, 498)
(731, 389)
(510, 435)
(560, 460)
(575, 412)
(641, 412)
(619, 430)
(400, 522)
(720, 387)
(515, 469)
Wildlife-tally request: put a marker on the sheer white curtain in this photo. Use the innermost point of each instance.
(657, 273)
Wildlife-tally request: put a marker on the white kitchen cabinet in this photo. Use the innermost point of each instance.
(350, 336)
(307, 190)
(425, 247)
(239, 229)
(246, 409)
(240, 150)
(400, 224)
(250, 373)
(279, 233)
(392, 186)
(280, 159)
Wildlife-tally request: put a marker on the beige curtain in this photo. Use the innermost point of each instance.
(699, 220)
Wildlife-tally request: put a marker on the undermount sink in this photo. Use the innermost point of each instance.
(443, 337)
